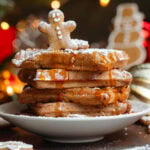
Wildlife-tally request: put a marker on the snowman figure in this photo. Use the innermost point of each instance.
(127, 31)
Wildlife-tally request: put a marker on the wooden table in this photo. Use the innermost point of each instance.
(135, 135)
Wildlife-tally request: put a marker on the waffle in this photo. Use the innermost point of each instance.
(80, 60)
(64, 109)
(60, 78)
(83, 96)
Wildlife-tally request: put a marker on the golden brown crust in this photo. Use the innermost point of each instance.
(83, 96)
(81, 60)
(60, 78)
(63, 109)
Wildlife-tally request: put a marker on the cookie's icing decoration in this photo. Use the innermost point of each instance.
(59, 32)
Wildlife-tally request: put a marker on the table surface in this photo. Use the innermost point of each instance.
(132, 136)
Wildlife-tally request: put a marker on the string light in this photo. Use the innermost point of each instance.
(6, 82)
(9, 90)
(55, 4)
(6, 74)
(104, 3)
(4, 25)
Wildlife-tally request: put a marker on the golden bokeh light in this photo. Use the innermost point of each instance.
(104, 3)
(55, 4)
(6, 74)
(6, 82)
(9, 90)
(4, 25)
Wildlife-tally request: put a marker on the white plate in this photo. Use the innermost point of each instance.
(4, 123)
(72, 130)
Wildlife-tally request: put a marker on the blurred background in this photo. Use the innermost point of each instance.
(18, 29)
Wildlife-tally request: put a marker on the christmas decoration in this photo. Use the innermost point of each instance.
(146, 35)
(28, 35)
(141, 82)
(140, 88)
(9, 86)
(7, 37)
(127, 33)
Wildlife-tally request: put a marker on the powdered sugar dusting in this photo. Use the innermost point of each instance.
(24, 55)
(58, 76)
(80, 43)
(51, 74)
(91, 50)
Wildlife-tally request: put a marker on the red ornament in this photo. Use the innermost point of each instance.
(146, 35)
(6, 42)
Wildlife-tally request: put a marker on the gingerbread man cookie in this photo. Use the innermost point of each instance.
(58, 32)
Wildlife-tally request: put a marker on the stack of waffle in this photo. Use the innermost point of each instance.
(87, 82)
(69, 78)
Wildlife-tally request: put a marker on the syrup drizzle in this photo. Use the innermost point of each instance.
(60, 97)
(52, 74)
(110, 78)
(59, 85)
(116, 103)
(58, 109)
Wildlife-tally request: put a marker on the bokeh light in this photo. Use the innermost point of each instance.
(9, 90)
(55, 4)
(104, 3)
(6, 74)
(4, 25)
